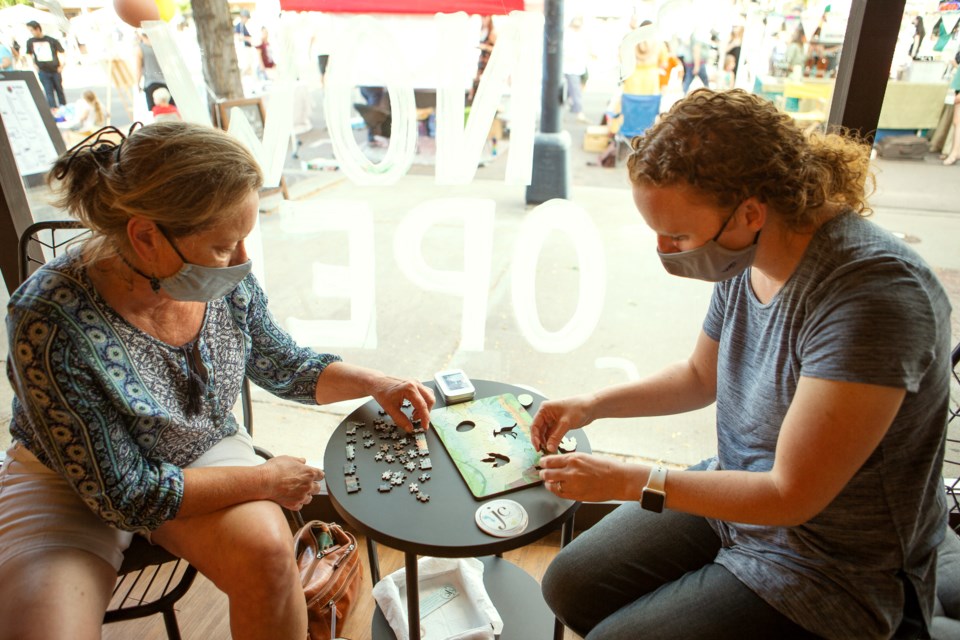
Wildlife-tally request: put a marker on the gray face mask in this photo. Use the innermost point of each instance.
(710, 262)
(196, 283)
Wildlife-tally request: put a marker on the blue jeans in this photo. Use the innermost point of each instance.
(688, 75)
(638, 574)
(574, 93)
(52, 83)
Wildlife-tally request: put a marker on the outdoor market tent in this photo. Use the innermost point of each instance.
(21, 14)
(477, 7)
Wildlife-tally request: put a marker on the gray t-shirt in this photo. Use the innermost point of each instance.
(861, 307)
(152, 74)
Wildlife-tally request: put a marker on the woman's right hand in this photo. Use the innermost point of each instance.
(290, 482)
(556, 417)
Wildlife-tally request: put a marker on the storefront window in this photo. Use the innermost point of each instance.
(400, 236)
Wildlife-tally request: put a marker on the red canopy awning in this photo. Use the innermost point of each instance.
(480, 7)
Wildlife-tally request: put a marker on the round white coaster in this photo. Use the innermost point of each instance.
(502, 518)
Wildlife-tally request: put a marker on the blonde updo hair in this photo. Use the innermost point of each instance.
(733, 145)
(187, 178)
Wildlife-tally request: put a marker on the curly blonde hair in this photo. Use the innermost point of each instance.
(185, 177)
(733, 145)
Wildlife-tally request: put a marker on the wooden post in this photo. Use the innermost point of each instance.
(865, 65)
(14, 212)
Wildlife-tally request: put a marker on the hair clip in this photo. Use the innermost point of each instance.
(97, 143)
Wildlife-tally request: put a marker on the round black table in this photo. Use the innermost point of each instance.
(445, 525)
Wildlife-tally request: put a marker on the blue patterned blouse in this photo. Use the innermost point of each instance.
(106, 405)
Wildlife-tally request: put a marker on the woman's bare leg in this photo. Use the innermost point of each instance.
(51, 594)
(955, 151)
(247, 551)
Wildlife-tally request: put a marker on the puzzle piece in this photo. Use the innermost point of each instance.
(421, 441)
(567, 445)
(351, 452)
(379, 456)
(368, 443)
(353, 484)
(386, 475)
(410, 466)
(386, 487)
(349, 469)
(414, 488)
(424, 477)
(425, 464)
(422, 497)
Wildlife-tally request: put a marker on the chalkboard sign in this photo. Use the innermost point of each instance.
(31, 131)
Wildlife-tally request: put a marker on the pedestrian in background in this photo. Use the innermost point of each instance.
(918, 35)
(693, 52)
(149, 73)
(91, 114)
(955, 86)
(575, 66)
(648, 56)
(246, 53)
(488, 39)
(6, 58)
(46, 52)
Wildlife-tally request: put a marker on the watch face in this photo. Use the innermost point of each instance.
(652, 500)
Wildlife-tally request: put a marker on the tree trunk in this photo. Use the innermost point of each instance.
(217, 49)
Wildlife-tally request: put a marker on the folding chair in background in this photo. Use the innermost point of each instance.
(639, 113)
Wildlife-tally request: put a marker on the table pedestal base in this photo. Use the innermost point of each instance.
(514, 593)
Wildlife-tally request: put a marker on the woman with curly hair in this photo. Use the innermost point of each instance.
(826, 348)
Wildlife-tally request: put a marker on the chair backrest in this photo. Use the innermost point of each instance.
(43, 240)
(639, 113)
(951, 459)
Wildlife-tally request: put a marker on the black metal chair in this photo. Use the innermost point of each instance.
(951, 461)
(151, 579)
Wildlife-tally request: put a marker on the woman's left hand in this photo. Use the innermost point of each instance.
(391, 392)
(585, 477)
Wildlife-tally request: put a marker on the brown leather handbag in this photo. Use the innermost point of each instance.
(331, 574)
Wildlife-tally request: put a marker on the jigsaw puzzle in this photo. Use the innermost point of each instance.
(489, 441)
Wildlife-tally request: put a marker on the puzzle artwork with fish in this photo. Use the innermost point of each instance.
(489, 441)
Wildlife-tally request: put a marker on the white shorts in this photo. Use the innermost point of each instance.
(40, 510)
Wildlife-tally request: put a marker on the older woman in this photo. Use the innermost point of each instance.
(826, 348)
(126, 357)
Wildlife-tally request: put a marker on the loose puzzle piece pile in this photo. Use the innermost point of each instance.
(394, 446)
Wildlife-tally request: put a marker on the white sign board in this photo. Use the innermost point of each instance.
(31, 144)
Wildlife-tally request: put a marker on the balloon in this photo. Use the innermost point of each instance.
(167, 9)
(133, 12)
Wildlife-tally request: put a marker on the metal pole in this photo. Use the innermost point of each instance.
(552, 66)
(551, 146)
